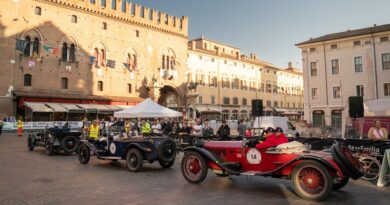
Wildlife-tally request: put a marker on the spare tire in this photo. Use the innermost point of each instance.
(347, 162)
(69, 144)
(167, 150)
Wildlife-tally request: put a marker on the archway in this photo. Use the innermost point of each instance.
(169, 97)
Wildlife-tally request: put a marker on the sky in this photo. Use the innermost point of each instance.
(271, 28)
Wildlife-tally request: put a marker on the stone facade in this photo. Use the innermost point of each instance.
(96, 36)
(337, 66)
(222, 72)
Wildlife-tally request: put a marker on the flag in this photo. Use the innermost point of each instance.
(21, 44)
(92, 59)
(110, 63)
(50, 49)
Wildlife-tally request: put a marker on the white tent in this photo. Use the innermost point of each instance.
(147, 109)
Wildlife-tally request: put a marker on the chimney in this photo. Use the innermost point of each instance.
(290, 64)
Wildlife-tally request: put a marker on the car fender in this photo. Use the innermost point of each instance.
(90, 146)
(138, 146)
(322, 161)
(209, 156)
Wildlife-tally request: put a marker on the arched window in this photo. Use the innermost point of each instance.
(27, 50)
(244, 101)
(72, 51)
(27, 80)
(64, 56)
(36, 47)
(234, 115)
(163, 62)
(38, 10)
(96, 55)
(74, 19)
(235, 101)
(135, 61)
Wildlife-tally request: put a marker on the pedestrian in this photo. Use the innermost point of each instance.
(176, 128)
(1, 124)
(94, 130)
(248, 132)
(156, 127)
(207, 130)
(241, 128)
(168, 127)
(102, 125)
(197, 128)
(145, 127)
(377, 132)
(128, 127)
(20, 126)
(224, 131)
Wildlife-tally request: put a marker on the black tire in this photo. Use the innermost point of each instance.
(30, 143)
(69, 144)
(49, 147)
(84, 154)
(194, 167)
(341, 184)
(166, 165)
(134, 160)
(311, 180)
(167, 150)
(347, 162)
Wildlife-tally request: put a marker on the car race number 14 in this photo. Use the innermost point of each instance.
(253, 156)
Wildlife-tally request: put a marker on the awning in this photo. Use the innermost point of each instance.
(102, 108)
(38, 107)
(290, 113)
(116, 107)
(57, 107)
(268, 109)
(89, 108)
(72, 108)
(380, 107)
(280, 110)
(206, 110)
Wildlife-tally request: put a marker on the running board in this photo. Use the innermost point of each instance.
(109, 158)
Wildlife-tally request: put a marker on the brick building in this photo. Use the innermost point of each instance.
(107, 52)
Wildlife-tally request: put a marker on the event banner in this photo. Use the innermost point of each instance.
(9, 126)
(370, 147)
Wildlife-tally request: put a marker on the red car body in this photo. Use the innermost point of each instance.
(314, 173)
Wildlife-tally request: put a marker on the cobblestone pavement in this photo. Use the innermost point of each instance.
(34, 178)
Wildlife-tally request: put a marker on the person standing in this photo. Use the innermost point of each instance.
(241, 128)
(207, 130)
(20, 126)
(128, 127)
(156, 127)
(377, 132)
(224, 131)
(94, 130)
(145, 127)
(1, 125)
(197, 128)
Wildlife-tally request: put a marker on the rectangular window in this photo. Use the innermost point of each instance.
(64, 83)
(335, 66)
(226, 101)
(386, 88)
(275, 104)
(386, 61)
(268, 88)
(269, 103)
(333, 46)
(314, 93)
(313, 68)
(360, 90)
(200, 99)
(356, 43)
(358, 64)
(27, 80)
(336, 92)
(136, 33)
(100, 85)
(384, 39)
(212, 99)
(129, 88)
(74, 19)
(313, 49)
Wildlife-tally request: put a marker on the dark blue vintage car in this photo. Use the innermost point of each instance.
(135, 150)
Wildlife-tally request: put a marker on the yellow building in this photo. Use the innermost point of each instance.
(227, 81)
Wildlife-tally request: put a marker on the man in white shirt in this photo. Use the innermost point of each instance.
(197, 128)
(156, 127)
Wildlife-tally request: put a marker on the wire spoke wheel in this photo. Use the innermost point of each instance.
(371, 168)
(194, 168)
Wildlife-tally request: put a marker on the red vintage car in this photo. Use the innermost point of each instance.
(314, 174)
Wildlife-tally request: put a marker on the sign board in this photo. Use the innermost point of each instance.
(383, 177)
(8, 126)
